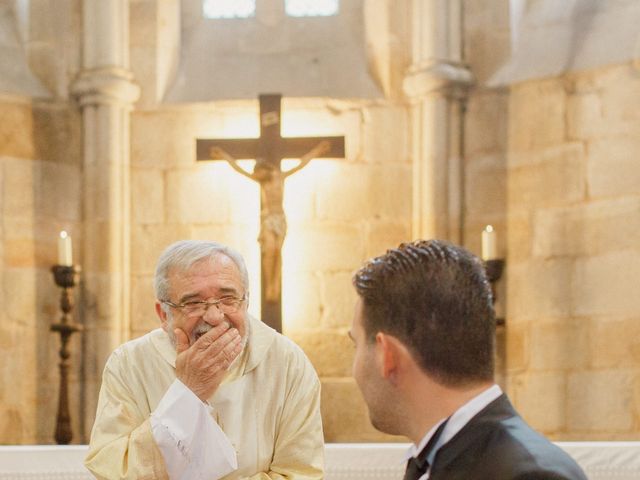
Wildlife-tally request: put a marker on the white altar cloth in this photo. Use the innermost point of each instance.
(344, 461)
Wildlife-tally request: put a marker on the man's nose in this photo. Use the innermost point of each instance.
(213, 315)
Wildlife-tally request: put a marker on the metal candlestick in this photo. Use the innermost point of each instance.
(66, 278)
(494, 270)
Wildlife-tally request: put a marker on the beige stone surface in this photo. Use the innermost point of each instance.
(615, 344)
(486, 124)
(198, 195)
(302, 303)
(541, 400)
(601, 103)
(103, 183)
(148, 201)
(351, 194)
(559, 345)
(588, 228)
(539, 290)
(607, 285)
(612, 169)
(19, 179)
(601, 401)
(241, 236)
(547, 178)
(486, 185)
(143, 314)
(16, 130)
(344, 194)
(390, 192)
(20, 374)
(585, 115)
(57, 191)
(378, 145)
(517, 351)
(21, 295)
(148, 242)
(167, 138)
(300, 189)
(19, 246)
(323, 246)
(330, 351)
(57, 129)
(537, 115)
(344, 414)
(386, 234)
(519, 236)
(338, 300)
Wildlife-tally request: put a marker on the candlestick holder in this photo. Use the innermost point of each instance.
(494, 270)
(66, 277)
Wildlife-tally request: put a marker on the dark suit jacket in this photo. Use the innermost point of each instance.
(497, 444)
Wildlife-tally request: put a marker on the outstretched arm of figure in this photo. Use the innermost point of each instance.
(217, 153)
(316, 152)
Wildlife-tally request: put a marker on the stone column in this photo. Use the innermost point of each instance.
(436, 85)
(105, 92)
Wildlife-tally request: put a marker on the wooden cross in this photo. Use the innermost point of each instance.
(268, 150)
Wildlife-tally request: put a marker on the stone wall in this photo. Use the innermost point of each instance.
(40, 185)
(551, 162)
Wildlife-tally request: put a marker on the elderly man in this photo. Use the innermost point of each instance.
(212, 394)
(424, 336)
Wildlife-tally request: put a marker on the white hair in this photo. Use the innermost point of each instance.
(183, 254)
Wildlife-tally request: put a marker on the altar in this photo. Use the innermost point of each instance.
(344, 461)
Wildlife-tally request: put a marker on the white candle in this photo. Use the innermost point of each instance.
(489, 244)
(65, 256)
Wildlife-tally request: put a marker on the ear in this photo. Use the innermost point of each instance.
(395, 360)
(162, 315)
(387, 353)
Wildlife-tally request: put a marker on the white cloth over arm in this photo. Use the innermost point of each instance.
(186, 434)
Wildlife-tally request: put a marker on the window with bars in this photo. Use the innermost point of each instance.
(247, 8)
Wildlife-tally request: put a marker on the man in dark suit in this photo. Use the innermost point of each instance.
(424, 332)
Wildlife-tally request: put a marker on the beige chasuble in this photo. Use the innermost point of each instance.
(268, 407)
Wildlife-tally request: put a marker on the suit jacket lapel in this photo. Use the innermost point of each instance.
(480, 425)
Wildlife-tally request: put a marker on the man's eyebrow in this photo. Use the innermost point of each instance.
(350, 336)
(189, 296)
(228, 290)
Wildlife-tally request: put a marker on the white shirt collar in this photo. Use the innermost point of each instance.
(456, 422)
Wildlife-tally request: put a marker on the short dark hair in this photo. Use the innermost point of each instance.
(435, 298)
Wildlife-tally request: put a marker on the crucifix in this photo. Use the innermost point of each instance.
(268, 151)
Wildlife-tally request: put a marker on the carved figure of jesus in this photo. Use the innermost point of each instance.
(273, 222)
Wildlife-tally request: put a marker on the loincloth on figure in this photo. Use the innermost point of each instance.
(273, 226)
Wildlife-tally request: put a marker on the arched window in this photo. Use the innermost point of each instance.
(229, 8)
(247, 8)
(311, 8)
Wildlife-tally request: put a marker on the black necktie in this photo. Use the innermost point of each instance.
(418, 466)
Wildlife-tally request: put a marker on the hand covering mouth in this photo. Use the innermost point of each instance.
(199, 331)
(203, 328)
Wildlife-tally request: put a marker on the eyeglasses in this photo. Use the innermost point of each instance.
(196, 308)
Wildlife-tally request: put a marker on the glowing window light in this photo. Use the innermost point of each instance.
(229, 8)
(311, 8)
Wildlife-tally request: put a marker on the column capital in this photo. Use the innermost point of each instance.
(105, 85)
(437, 77)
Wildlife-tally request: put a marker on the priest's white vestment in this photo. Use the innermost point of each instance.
(268, 408)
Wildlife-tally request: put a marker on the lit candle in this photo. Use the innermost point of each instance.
(489, 244)
(65, 257)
